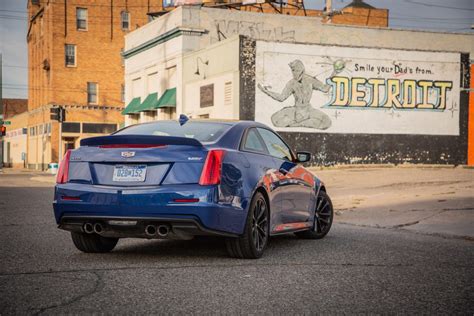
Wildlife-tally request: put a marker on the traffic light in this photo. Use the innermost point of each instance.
(62, 115)
(3, 131)
(57, 114)
(54, 114)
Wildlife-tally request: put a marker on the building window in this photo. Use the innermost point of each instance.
(122, 93)
(92, 88)
(168, 3)
(70, 127)
(125, 16)
(228, 93)
(81, 19)
(98, 128)
(70, 52)
(122, 57)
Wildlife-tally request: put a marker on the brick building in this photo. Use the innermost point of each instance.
(11, 107)
(75, 61)
(74, 52)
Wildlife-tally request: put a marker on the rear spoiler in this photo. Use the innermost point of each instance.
(139, 140)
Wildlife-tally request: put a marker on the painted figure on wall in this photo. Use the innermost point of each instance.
(301, 86)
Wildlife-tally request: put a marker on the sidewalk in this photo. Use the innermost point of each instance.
(424, 199)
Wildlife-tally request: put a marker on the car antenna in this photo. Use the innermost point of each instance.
(183, 119)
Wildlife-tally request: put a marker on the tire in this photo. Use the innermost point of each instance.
(93, 243)
(323, 217)
(253, 242)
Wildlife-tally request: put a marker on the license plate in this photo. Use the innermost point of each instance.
(129, 173)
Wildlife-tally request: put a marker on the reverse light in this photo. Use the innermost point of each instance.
(211, 172)
(63, 173)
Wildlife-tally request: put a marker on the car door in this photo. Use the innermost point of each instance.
(294, 185)
(264, 168)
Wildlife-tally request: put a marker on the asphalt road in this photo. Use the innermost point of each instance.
(355, 269)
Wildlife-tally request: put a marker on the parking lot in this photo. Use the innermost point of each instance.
(402, 242)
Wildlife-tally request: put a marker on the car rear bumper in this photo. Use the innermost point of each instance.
(77, 203)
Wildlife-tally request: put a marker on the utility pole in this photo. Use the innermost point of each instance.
(328, 6)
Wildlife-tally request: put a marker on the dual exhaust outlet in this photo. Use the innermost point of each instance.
(150, 230)
(161, 230)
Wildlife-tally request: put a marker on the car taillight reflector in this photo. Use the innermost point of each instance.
(131, 146)
(186, 200)
(211, 172)
(63, 173)
(70, 198)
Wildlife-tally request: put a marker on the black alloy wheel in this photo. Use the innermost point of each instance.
(323, 217)
(253, 242)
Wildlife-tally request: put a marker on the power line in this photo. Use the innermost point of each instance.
(437, 5)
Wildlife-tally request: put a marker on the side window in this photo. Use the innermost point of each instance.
(252, 142)
(275, 146)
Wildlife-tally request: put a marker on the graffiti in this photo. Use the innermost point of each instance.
(387, 93)
(255, 30)
(301, 86)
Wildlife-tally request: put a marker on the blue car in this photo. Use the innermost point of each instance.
(180, 179)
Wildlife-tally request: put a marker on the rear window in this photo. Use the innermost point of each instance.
(201, 131)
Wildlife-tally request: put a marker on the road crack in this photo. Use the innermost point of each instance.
(98, 285)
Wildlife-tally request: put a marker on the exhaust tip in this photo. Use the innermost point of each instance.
(88, 228)
(150, 230)
(98, 228)
(163, 230)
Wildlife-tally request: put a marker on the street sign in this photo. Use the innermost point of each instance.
(5, 122)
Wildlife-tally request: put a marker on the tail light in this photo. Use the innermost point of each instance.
(63, 173)
(211, 172)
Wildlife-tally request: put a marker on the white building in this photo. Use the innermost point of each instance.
(349, 94)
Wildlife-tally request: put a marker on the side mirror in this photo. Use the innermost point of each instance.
(303, 156)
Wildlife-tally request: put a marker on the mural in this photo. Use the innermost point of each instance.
(328, 89)
(301, 86)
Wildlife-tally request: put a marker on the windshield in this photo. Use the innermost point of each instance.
(201, 131)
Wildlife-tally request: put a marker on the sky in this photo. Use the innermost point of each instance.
(436, 15)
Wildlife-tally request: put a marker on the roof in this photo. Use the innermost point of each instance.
(359, 4)
(13, 107)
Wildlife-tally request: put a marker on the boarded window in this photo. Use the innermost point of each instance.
(70, 127)
(207, 96)
(70, 53)
(228, 93)
(81, 18)
(98, 128)
(92, 92)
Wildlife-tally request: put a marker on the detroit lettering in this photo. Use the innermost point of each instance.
(389, 93)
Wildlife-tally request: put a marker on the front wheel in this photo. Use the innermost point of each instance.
(323, 217)
(255, 238)
(93, 243)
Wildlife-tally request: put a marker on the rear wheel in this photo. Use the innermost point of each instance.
(93, 243)
(323, 217)
(255, 238)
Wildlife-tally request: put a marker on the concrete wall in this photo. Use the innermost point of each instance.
(221, 71)
(410, 135)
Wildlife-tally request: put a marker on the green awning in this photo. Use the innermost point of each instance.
(168, 99)
(150, 103)
(132, 106)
